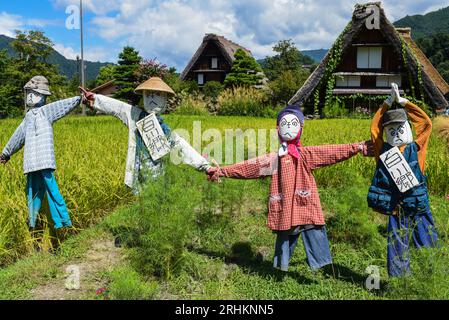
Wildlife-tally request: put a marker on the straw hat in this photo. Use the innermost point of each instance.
(155, 84)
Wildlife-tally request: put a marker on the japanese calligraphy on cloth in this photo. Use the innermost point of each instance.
(399, 169)
(153, 136)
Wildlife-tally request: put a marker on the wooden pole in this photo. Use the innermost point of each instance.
(83, 78)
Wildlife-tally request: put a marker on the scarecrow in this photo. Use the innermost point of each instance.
(399, 187)
(149, 138)
(294, 205)
(36, 134)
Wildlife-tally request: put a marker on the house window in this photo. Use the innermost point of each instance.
(369, 58)
(348, 81)
(200, 79)
(386, 81)
(214, 63)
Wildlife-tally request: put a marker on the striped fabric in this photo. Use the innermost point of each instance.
(294, 199)
(36, 133)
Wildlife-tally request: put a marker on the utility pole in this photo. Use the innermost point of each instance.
(83, 78)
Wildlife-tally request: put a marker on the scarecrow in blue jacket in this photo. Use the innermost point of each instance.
(39, 163)
(399, 187)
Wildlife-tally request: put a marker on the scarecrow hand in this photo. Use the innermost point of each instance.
(367, 148)
(397, 95)
(88, 97)
(214, 174)
(3, 159)
(392, 98)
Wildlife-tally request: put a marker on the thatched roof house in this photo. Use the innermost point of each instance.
(212, 61)
(363, 63)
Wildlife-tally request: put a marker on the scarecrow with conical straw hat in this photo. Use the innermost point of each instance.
(140, 163)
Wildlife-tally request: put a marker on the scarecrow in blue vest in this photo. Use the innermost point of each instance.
(39, 163)
(399, 187)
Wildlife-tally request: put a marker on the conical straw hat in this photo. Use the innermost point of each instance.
(155, 84)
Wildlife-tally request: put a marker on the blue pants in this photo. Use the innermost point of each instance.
(315, 243)
(40, 183)
(424, 235)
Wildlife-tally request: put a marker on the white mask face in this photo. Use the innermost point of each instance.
(289, 127)
(399, 134)
(154, 102)
(33, 99)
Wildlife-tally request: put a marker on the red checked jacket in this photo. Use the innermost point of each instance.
(294, 198)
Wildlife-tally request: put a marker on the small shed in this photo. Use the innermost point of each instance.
(106, 89)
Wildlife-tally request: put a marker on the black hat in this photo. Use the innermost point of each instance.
(394, 116)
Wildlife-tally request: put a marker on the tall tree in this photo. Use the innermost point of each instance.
(126, 75)
(245, 71)
(285, 71)
(32, 49)
(287, 57)
(106, 74)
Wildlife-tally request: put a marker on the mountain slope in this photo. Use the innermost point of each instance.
(425, 25)
(66, 66)
(316, 55)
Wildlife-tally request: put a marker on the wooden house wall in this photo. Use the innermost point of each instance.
(391, 62)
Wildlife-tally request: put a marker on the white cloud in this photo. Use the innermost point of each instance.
(41, 23)
(67, 52)
(171, 30)
(9, 23)
(91, 53)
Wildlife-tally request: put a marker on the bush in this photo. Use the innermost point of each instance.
(212, 89)
(286, 85)
(166, 219)
(243, 101)
(191, 105)
(336, 109)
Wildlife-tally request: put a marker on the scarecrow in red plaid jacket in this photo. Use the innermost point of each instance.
(294, 203)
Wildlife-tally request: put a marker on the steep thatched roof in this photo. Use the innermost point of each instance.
(433, 86)
(426, 64)
(227, 48)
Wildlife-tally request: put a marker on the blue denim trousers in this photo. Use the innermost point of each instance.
(420, 228)
(315, 243)
(39, 184)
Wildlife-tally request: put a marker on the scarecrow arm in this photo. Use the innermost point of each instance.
(56, 110)
(15, 143)
(189, 155)
(423, 129)
(113, 107)
(377, 130)
(252, 169)
(322, 156)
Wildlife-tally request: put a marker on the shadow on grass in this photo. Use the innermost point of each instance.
(340, 272)
(243, 255)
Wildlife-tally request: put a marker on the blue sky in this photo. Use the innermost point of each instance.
(171, 30)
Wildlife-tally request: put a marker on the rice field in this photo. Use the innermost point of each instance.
(91, 156)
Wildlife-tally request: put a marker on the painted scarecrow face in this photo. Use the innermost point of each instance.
(33, 99)
(289, 127)
(399, 134)
(154, 102)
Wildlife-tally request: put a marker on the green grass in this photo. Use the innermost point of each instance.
(187, 238)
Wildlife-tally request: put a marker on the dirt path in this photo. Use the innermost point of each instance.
(101, 257)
